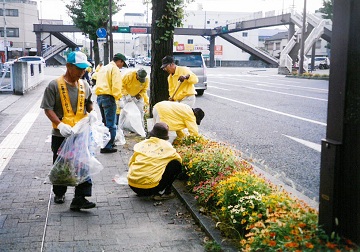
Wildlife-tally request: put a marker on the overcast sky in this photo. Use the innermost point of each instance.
(55, 9)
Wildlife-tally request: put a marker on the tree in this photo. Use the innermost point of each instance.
(89, 15)
(166, 15)
(327, 9)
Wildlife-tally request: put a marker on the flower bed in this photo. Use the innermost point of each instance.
(249, 210)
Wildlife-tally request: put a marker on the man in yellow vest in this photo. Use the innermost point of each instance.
(154, 165)
(108, 91)
(181, 82)
(94, 75)
(134, 88)
(64, 101)
(178, 116)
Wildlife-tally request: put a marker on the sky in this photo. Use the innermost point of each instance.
(55, 9)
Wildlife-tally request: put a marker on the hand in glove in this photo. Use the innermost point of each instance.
(128, 98)
(65, 129)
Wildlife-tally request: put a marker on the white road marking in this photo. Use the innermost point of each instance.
(309, 144)
(219, 88)
(269, 110)
(284, 85)
(13, 140)
(267, 85)
(302, 96)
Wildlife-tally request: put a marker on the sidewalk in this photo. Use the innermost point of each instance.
(121, 221)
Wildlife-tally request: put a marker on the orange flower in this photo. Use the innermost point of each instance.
(330, 245)
(301, 225)
(309, 245)
(272, 243)
(272, 234)
(291, 245)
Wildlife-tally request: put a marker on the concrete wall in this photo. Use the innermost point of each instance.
(26, 75)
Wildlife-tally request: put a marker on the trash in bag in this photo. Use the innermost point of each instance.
(119, 138)
(130, 119)
(76, 160)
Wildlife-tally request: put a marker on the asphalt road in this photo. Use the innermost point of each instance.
(277, 121)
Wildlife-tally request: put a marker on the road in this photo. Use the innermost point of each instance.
(276, 121)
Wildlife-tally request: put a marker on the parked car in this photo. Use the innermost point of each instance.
(131, 62)
(147, 62)
(321, 63)
(196, 63)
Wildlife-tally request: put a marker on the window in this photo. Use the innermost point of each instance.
(244, 34)
(10, 12)
(277, 46)
(208, 22)
(10, 32)
(190, 41)
(318, 44)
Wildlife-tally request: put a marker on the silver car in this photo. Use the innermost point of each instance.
(195, 61)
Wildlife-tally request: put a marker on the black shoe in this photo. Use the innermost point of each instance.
(59, 199)
(81, 203)
(106, 150)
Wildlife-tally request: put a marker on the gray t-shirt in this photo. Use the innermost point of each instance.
(51, 100)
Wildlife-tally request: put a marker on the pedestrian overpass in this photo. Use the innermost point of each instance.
(315, 28)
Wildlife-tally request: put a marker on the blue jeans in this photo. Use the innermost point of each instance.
(107, 107)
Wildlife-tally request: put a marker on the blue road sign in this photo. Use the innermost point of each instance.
(101, 32)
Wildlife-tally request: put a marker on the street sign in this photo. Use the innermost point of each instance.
(101, 32)
(121, 29)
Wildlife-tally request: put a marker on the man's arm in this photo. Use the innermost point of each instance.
(52, 116)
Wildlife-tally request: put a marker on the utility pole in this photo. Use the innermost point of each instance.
(302, 41)
(147, 35)
(5, 40)
(110, 32)
(339, 209)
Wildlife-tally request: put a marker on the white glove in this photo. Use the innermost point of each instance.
(128, 98)
(65, 129)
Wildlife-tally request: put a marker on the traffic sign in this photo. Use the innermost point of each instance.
(121, 29)
(101, 32)
(101, 40)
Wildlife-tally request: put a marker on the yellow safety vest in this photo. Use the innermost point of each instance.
(69, 116)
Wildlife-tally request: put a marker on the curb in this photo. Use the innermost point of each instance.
(309, 78)
(206, 223)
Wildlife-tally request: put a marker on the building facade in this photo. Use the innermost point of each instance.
(20, 15)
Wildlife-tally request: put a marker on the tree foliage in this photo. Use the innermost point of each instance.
(89, 15)
(327, 9)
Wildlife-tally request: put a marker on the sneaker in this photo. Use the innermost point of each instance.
(59, 199)
(107, 150)
(164, 196)
(81, 203)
